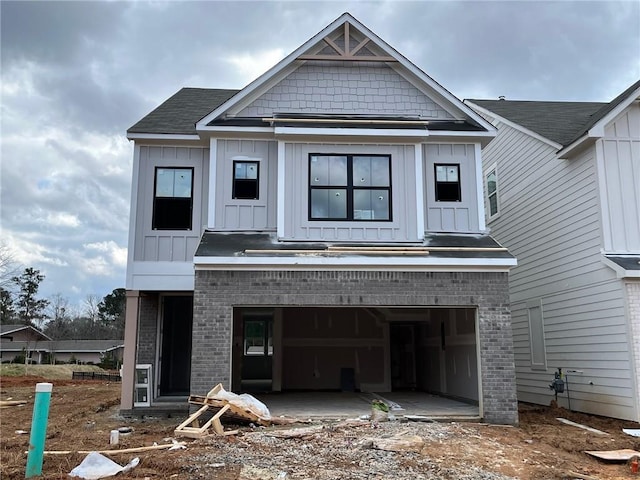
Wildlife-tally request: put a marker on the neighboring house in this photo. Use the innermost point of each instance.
(321, 229)
(50, 351)
(21, 333)
(563, 194)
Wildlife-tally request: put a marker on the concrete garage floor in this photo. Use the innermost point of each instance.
(305, 405)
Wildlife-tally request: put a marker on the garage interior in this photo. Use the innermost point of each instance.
(422, 358)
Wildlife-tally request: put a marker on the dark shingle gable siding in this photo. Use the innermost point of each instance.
(178, 115)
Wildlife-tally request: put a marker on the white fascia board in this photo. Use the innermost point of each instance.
(482, 225)
(273, 71)
(517, 126)
(280, 212)
(352, 132)
(133, 215)
(420, 203)
(462, 133)
(598, 129)
(353, 263)
(620, 272)
(161, 136)
(213, 172)
(235, 129)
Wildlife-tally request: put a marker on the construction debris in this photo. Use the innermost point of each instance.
(579, 425)
(398, 443)
(623, 455)
(170, 446)
(12, 403)
(634, 432)
(241, 407)
(304, 432)
(96, 466)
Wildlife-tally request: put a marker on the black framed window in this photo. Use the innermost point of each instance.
(350, 187)
(448, 183)
(173, 199)
(246, 180)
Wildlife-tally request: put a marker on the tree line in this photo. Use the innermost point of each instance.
(96, 319)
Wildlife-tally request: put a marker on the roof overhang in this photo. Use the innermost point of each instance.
(597, 130)
(625, 266)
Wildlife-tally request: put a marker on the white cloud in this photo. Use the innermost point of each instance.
(251, 65)
(62, 219)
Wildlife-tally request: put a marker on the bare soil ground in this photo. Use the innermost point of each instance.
(83, 413)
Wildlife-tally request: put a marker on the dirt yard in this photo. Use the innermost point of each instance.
(83, 414)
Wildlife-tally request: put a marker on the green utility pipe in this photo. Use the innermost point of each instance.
(38, 429)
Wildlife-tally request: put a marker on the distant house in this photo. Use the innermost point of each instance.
(562, 188)
(322, 227)
(24, 333)
(76, 351)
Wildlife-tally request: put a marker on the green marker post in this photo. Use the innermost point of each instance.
(38, 429)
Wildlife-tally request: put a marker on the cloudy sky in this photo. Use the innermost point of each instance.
(76, 75)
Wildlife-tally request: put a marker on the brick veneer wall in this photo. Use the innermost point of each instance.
(147, 328)
(216, 292)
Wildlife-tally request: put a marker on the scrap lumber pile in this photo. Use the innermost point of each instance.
(218, 401)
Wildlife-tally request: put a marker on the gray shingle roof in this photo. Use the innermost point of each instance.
(562, 122)
(179, 114)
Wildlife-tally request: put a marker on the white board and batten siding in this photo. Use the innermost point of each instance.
(163, 259)
(619, 170)
(169, 245)
(246, 215)
(550, 220)
(458, 217)
(298, 227)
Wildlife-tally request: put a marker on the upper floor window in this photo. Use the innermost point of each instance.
(492, 192)
(246, 180)
(173, 199)
(350, 187)
(448, 183)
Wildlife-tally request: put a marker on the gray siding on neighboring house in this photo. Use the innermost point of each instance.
(549, 219)
(451, 216)
(234, 214)
(344, 87)
(619, 170)
(402, 228)
(169, 245)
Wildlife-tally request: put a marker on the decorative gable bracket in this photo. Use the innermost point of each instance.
(334, 51)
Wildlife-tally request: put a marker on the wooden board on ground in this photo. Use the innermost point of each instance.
(614, 455)
(233, 411)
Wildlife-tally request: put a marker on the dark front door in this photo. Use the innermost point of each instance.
(175, 355)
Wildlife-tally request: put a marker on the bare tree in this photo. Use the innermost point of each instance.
(9, 267)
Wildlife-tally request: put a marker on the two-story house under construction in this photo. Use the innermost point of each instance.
(322, 228)
(563, 194)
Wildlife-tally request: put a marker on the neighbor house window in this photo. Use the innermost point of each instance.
(448, 183)
(492, 192)
(536, 336)
(245, 180)
(173, 199)
(350, 187)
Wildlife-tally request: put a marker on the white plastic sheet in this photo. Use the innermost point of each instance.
(96, 466)
(244, 401)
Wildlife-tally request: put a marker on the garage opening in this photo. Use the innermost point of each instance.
(356, 349)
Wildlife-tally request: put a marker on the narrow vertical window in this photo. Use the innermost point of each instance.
(492, 192)
(246, 180)
(536, 337)
(173, 199)
(448, 183)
